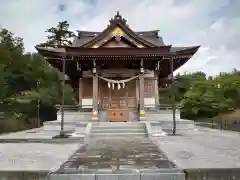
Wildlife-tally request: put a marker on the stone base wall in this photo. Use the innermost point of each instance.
(21, 175)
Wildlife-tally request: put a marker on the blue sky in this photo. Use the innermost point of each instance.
(213, 24)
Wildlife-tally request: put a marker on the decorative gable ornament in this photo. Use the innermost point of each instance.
(118, 18)
(117, 32)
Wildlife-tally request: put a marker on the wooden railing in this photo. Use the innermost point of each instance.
(123, 102)
(76, 107)
(106, 104)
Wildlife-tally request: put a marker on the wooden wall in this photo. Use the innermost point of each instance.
(87, 91)
(130, 91)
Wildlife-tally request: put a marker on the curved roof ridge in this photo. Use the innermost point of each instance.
(98, 32)
(86, 31)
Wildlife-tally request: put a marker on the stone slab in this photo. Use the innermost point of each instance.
(162, 176)
(213, 174)
(34, 156)
(39, 134)
(30, 134)
(153, 176)
(117, 176)
(72, 177)
(202, 148)
(10, 175)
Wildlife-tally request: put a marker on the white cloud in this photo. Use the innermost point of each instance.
(212, 24)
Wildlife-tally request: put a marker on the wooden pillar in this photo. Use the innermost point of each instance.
(141, 93)
(173, 96)
(137, 91)
(95, 98)
(80, 91)
(63, 96)
(156, 90)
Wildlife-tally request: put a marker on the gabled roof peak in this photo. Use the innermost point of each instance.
(118, 18)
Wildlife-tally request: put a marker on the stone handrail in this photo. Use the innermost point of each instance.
(87, 133)
(148, 129)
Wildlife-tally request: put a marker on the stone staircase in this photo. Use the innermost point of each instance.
(73, 116)
(124, 158)
(72, 121)
(118, 129)
(162, 114)
(162, 120)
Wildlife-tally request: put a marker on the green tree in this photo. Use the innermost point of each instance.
(59, 35)
(211, 97)
(19, 74)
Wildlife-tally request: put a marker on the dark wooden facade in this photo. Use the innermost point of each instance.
(118, 53)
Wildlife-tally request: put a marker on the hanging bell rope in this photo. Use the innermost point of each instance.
(112, 82)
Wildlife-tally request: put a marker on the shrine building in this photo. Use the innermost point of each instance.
(117, 72)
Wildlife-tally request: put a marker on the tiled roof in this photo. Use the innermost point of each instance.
(86, 36)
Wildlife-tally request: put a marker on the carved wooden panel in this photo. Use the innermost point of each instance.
(117, 98)
(118, 115)
(113, 43)
(131, 88)
(149, 87)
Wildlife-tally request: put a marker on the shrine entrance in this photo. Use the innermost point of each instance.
(118, 102)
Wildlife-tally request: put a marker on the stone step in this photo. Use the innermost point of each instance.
(110, 175)
(139, 125)
(95, 130)
(109, 135)
(116, 128)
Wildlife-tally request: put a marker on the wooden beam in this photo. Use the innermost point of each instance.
(117, 51)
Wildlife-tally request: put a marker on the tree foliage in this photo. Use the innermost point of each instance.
(59, 36)
(210, 97)
(19, 74)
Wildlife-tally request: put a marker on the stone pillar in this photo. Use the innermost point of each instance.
(141, 94)
(95, 98)
(80, 91)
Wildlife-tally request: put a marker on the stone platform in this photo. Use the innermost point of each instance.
(118, 158)
(197, 153)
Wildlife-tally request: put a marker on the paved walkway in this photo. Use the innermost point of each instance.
(34, 156)
(117, 154)
(202, 148)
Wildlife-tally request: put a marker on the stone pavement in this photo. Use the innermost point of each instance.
(202, 148)
(34, 156)
(30, 134)
(119, 158)
(117, 154)
(194, 151)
